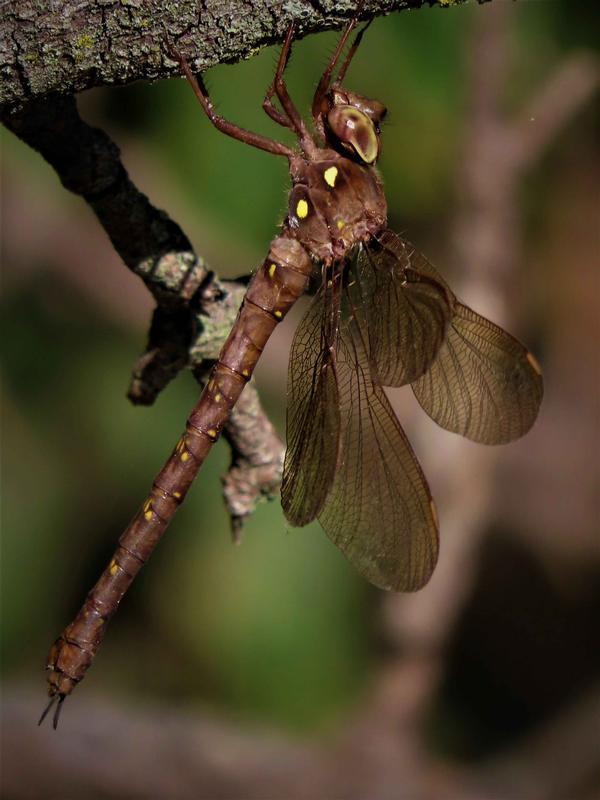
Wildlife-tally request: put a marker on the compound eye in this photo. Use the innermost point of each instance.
(355, 129)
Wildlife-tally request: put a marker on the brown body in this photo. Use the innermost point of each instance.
(274, 289)
(344, 206)
(335, 203)
(393, 321)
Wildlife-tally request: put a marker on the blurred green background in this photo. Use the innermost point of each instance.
(280, 629)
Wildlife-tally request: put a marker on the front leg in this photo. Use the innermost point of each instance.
(325, 82)
(229, 128)
(290, 118)
(276, 115)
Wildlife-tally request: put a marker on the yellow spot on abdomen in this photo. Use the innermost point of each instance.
(340, 224)
(180, 449)
(113, 567)
(272, 270)
(218, 398)
(246, 373)
(147, 510)
(330, 175)
(212, 432)
(278, 314)
(302, 209)
(177, 495)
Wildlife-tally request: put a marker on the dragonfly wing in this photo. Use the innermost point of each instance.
(313, 419)
(379, 510)
(402, 306)
(483, 383)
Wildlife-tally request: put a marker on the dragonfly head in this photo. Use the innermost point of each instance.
(352, 124)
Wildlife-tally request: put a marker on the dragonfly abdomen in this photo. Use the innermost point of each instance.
(276, 286)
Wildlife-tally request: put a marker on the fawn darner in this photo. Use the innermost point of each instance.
(382, 316)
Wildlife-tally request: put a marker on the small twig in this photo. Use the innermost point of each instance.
(194, 311)
(88, 163)
(256, 460)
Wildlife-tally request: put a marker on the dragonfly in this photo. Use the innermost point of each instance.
(381, 317)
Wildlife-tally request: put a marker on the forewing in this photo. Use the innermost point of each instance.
(483, 383)
(379, 510)
(313, 419)
(402, 307)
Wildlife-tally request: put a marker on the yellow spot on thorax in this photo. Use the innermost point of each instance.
(177, 495)
(340, 224)
(302, 209)
(212, 432)
(272, 270)
(330, 175)
(218, 398)
(246, 373)
(113, 567)
(278, 314)
(184, 456)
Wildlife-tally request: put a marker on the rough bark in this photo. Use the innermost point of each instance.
(67, 46)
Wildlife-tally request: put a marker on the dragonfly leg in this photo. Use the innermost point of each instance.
(281, 118)
(325, 81)
(276, 115)
(223, 125)
(290, 118)
(354, 47)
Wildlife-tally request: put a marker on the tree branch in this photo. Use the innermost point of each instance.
(67, 46)
(48, 52)
(194, 311)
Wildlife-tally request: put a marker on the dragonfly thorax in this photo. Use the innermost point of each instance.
(334, 204)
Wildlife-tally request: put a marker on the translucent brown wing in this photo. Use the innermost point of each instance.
(379, 510)
(483, 383)
(402, 306)
(313, 416)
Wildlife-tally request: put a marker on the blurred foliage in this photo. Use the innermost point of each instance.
(278, 628)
